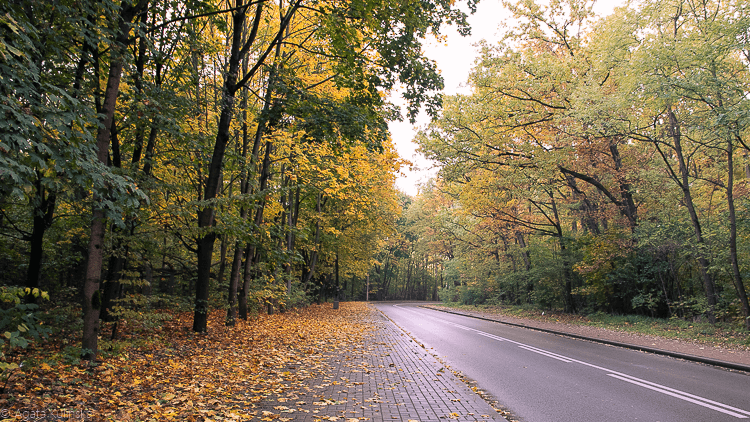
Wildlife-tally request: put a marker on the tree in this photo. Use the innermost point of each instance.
(365, 59)
(698, 95)
(550, 136)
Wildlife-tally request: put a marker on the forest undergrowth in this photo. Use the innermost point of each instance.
(173, 373)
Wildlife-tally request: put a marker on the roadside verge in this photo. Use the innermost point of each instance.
(644, 348)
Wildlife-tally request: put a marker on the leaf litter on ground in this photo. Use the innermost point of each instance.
(219, 375)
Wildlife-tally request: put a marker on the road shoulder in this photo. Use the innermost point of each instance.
(712, 355)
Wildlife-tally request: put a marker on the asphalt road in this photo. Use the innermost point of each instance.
(543, 377)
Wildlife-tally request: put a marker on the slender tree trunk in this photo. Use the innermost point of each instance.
(290, 240)
(684, 183)
(525, 254)
(248, 277)
(43, 214)
(91, 293)
(224, 245)
(206, 215)
(567, 272)
(110, 288)
(736, 276)
(313, 261)
(336, 274)
(140, 63)
(234, 279)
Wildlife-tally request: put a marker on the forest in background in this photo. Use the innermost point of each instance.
(202, 155)
(599, 165)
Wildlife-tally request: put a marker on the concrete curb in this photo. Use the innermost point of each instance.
(692, 358)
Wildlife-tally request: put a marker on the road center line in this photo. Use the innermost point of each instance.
(701, 401)
(492, 336)
(542, 352)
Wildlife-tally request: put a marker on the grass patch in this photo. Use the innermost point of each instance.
(722, 334)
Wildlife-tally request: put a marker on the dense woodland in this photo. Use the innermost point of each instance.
(600, 165)
(201, 155)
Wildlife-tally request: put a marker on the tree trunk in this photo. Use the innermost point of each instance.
(211, 190)
(736, 276)
(205, 255)
(234, 280)
(525, 254)
(313, 261)
(249, 260)
(110, 288)
(91, 294)
(336, 269)
(43, 214)
(567, 271)
(684, 183)
(224, 245)
(628, 204)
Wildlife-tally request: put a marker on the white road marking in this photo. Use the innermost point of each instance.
(701, 401)
(542, 352)
(492, 336)
(684, 396)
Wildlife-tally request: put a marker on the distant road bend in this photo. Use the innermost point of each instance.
(542, 377)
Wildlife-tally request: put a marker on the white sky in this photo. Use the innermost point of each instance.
(455, 58)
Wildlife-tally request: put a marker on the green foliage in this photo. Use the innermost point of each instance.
(450, 295)
(592, 159)
(298, 297)
(470, 295)
(394, 31)
(47, 132)
(138, 309)
(19, 323)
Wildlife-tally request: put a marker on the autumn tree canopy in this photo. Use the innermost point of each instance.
(601, 164)
(235, 152)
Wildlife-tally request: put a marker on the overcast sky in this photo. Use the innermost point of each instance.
(455, 59)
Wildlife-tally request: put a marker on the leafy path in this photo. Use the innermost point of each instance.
(221, 375)
(388, 377)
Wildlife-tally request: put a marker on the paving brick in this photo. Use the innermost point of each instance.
(390, 378)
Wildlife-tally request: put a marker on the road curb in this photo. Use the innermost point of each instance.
(684, 356)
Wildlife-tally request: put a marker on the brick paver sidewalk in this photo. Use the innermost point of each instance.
(390, 378)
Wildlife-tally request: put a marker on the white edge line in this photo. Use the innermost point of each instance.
(663, 387)
(624, 377)
(681, 397)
